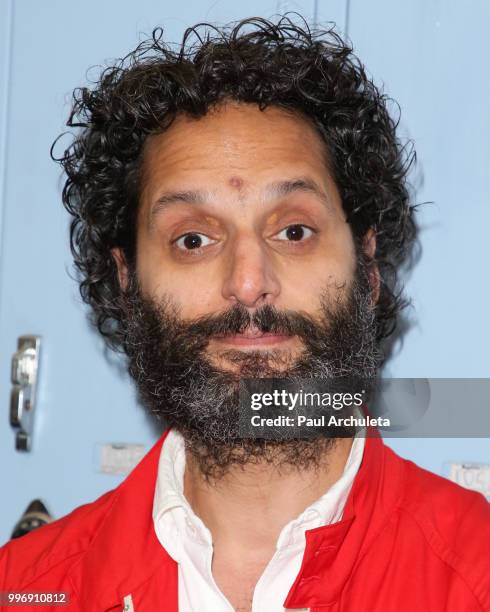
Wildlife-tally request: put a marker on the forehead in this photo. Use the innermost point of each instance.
(237, 142)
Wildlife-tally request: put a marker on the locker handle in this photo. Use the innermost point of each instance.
(24, 374)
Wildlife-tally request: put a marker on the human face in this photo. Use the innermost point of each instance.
(239, 207)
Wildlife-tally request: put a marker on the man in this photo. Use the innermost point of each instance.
(239, 210)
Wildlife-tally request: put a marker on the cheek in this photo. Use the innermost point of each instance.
(331, 267)
(303, 291)
(197, 298)
(193, 289)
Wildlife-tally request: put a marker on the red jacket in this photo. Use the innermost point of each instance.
(409, 541)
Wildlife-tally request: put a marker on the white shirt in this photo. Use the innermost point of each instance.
(188, 541)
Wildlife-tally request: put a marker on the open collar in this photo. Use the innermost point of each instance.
(125, 553)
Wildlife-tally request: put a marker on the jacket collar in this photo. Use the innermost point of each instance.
(331, 551)
(125, 553)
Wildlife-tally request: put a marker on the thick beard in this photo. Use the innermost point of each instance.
(181, 388)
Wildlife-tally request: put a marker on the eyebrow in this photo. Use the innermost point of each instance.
(187, 197)
(281, 189)
(276, 190)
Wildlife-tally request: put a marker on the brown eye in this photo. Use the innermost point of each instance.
(295, 233)
(192, 241)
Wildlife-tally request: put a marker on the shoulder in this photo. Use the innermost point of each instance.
(445, 505)
(453, 521)
(54, 548)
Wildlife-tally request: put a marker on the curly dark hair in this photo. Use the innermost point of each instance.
(311, 72)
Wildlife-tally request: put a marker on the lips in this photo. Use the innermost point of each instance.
(250, 332)
(252, 335)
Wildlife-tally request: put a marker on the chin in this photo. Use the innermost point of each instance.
(254, 363)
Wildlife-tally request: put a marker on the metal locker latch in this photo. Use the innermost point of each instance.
(25, 365)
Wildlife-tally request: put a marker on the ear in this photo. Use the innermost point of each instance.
(122, 267)
(369, 247)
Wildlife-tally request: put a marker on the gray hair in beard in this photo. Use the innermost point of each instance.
(181, 388)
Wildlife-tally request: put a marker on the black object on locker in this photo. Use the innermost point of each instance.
(35, 516)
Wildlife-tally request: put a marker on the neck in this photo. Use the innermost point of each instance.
(248, 507)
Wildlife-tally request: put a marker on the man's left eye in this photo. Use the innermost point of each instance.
(295, 233)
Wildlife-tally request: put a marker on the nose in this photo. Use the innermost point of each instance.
(250, 278)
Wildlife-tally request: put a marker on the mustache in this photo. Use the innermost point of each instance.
(266, 319)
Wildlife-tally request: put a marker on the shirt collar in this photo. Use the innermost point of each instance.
(125, 553)
(170, 503)
(329, 507)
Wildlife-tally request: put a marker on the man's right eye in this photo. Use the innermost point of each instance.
(192, 241)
